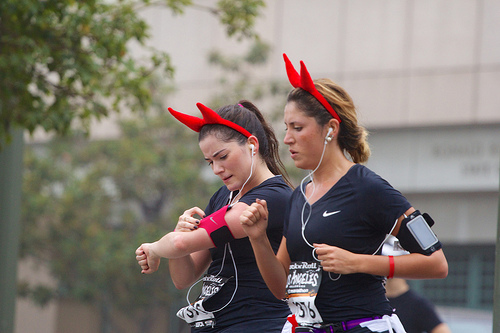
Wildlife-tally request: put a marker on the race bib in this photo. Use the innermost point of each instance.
(195, 314)
(302, 287)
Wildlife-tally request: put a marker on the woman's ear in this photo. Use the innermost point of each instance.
(335, 126)
(253, 144)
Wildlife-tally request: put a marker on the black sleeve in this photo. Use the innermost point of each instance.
(277, 195)
(383, 203)
(416, 312)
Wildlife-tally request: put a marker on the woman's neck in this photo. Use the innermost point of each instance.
(332, 169)
(260, 174)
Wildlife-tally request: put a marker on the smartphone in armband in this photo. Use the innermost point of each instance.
(422, 232)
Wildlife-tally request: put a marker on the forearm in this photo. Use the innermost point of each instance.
(411, 266)
(169, 246)
(180, 244)
(187, 270)
(182, 272)
(271, 268)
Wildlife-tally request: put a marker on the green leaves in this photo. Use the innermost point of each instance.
(89, 204)
(239, 16)
(65, 61)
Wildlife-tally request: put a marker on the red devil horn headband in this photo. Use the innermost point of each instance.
(305, 82)
(209, 117)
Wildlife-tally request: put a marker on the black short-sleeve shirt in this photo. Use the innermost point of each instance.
(355, 215)
(253, 300)
(417, 313)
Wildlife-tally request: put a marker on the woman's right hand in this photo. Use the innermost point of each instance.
(147, 259)
(187, 221)
(254, 219)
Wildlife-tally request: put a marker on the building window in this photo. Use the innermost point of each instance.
(470, 280)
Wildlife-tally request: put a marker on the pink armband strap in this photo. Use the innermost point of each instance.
(216, 226)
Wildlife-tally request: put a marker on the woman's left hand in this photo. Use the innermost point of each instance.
(187, 222)
(336, 260)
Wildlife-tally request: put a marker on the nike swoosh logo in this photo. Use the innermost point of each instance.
(212, 219)
(326, 214)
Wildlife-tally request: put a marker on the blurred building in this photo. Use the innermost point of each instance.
(425, 76)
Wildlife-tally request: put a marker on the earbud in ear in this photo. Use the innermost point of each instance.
(252, 147)
(328, 138)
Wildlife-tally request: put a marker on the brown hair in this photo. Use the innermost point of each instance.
(248, 116)
(352, 136)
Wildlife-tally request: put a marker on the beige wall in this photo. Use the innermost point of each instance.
(406, 63)
(461, 218)
(451, 172)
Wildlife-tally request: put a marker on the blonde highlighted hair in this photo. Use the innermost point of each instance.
(352, 137)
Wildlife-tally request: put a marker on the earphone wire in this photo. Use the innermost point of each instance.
(235, 276)
(222, 266)
(306, 202)
(227, 245)
(304, 224)
(386, 237)
(231, 203)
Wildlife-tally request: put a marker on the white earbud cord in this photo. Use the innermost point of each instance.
(235, 276)
(231, 203)
(306, 202)
(222, 266)
(304, 223)
(386, 237)
(227, 245)
(310, 175)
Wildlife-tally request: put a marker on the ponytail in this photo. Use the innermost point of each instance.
(352, 137)
(270, 153)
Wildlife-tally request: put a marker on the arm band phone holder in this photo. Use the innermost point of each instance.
(216, 226)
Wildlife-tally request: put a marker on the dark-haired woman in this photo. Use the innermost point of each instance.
(242, 150)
